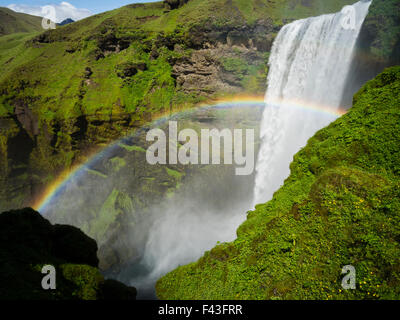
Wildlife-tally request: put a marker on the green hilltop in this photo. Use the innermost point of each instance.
(340, 206)
(15, 22)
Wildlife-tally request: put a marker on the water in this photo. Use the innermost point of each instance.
(309, 64)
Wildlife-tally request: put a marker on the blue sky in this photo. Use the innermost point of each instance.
(76, 9)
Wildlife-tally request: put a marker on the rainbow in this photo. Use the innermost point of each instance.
(61, 181)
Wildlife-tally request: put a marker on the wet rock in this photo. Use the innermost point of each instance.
(74, 246)
(114, 290)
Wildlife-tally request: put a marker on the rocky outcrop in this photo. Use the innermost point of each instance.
(28, 242)
(259, 35)
(174, 4)
(204, 72)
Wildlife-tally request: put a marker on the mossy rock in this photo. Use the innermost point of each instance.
(28, 242)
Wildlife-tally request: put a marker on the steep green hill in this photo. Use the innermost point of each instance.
(15, 22)
(340, 206)
(68, 91)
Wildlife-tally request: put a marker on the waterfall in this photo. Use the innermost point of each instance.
(309, 63)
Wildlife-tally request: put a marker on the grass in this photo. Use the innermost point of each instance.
(13, 22)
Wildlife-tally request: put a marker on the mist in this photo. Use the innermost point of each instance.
(150, 219)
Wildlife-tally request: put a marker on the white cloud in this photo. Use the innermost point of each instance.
(62, 11)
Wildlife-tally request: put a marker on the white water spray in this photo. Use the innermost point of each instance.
(309, 64)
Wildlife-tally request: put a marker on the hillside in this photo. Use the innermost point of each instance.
(69, 91)
(15, 22)
(338, 207)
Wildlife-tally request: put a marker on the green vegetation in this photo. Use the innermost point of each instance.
(382, 30)
(338, 207)
(87, 280)
(14, 22)
(175, 174)
(132, 148)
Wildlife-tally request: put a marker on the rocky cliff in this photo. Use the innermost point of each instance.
(67, 92)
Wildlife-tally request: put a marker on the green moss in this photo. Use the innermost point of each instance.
(339, 206)
(132, 148)
(107, 215)
(86, 279)
(173, 173)
(96, 173)
(118, 163)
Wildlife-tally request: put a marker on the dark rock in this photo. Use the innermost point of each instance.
(109, 43)
(26, 118)
(73, 245)
(174, 4)
(129, 69)
(88, 72)
(114, 290)
(28, 241)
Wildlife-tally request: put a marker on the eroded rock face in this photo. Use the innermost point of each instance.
(174, 4)
(259, 36)
(204, 70)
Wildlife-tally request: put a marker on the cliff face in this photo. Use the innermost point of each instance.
(28, 242)
(378, 45)
(338, 207)
(69, 91)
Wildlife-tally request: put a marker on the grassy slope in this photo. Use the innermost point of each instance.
(49, 79)
(14, 22)
(339, 206)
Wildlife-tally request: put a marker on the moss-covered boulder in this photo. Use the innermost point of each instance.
(28, 242)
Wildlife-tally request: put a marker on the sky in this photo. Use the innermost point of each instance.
(73, 9)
